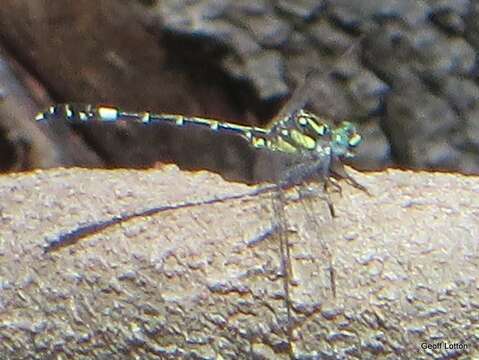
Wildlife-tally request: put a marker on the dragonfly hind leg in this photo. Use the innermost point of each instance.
(339, 172)
(351, 181)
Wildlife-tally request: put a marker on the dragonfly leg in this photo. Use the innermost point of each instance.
(339, 172)
(328, 199)
(351, 181)
(334, 184)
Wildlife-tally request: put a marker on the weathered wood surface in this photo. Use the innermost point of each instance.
(192, 282)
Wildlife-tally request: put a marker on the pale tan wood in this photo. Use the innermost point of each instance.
(200, 281)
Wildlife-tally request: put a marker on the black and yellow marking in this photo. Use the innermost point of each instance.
(257, 137)
(299, 132)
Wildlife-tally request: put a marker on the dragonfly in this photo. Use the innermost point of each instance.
(300, 135)
(310, 149)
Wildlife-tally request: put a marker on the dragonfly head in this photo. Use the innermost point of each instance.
(344, 140)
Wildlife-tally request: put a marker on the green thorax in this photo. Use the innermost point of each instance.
(304, 131)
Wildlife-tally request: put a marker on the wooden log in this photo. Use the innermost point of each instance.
(200, 278)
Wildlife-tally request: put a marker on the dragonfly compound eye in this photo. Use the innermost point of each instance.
(344, 138)
(349, 130)
(355, 140)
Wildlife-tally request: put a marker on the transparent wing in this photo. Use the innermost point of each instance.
(315, 166)
(302, 94)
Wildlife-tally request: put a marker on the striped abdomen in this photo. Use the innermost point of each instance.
(257, 137)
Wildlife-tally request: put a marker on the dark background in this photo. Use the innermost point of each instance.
(409, 81)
